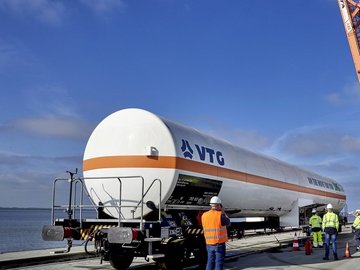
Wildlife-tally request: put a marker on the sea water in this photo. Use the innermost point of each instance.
(20, 229)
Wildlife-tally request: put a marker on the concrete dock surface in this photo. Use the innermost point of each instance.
(285, 258)
(255, 252)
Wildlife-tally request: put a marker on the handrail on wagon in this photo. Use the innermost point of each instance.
(146, 192)
(72, 206)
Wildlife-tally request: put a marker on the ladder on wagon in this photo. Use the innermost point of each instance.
(350, 13)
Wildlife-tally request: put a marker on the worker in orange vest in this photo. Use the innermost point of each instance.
(214, 223)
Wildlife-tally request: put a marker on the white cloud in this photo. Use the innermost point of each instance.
(51, 99)
(50, 126)
(54, 12)
(335, 166)
(247, 139)
(350, 143)
(15, 57)
(7, 54)
(102, 7)
(349, 96)
(34, 176)
(329, 151)
(48, 112)
(309, 142)
(51, 12)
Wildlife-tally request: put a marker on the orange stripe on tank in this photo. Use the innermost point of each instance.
(129, 162)
(166, 162)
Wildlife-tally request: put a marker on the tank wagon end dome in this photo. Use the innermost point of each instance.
(129, 142)
(130, 131)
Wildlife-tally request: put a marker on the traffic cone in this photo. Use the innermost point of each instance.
(308, 247)
(347, 251)
(311, 246)
(295, 243)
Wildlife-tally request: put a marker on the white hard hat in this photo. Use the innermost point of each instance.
(329, 206)
(357, 211)
(313, 211)
(215, 200)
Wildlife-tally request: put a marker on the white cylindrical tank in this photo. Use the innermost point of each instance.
(192, 167)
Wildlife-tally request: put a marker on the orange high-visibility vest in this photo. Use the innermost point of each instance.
(214, 232)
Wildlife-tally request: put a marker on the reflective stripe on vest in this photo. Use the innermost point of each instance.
(331, 220)
(356, 223)
(213, 231)
(315, 221)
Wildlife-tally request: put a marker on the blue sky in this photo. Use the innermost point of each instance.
(274, 77)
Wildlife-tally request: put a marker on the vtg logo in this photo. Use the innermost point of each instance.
(203, 153)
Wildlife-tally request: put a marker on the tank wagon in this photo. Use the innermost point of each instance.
(150, 179)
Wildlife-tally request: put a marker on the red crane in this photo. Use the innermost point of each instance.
(349, 10)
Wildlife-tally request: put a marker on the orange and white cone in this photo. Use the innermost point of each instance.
(295, 244)
(347, 251)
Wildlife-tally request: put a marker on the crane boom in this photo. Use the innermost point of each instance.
(349, 10)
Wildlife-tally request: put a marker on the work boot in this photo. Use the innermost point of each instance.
(326, 258)
(336, 257)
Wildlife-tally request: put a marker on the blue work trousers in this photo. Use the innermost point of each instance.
(216, 255)
(357, 237)
(327, 244)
